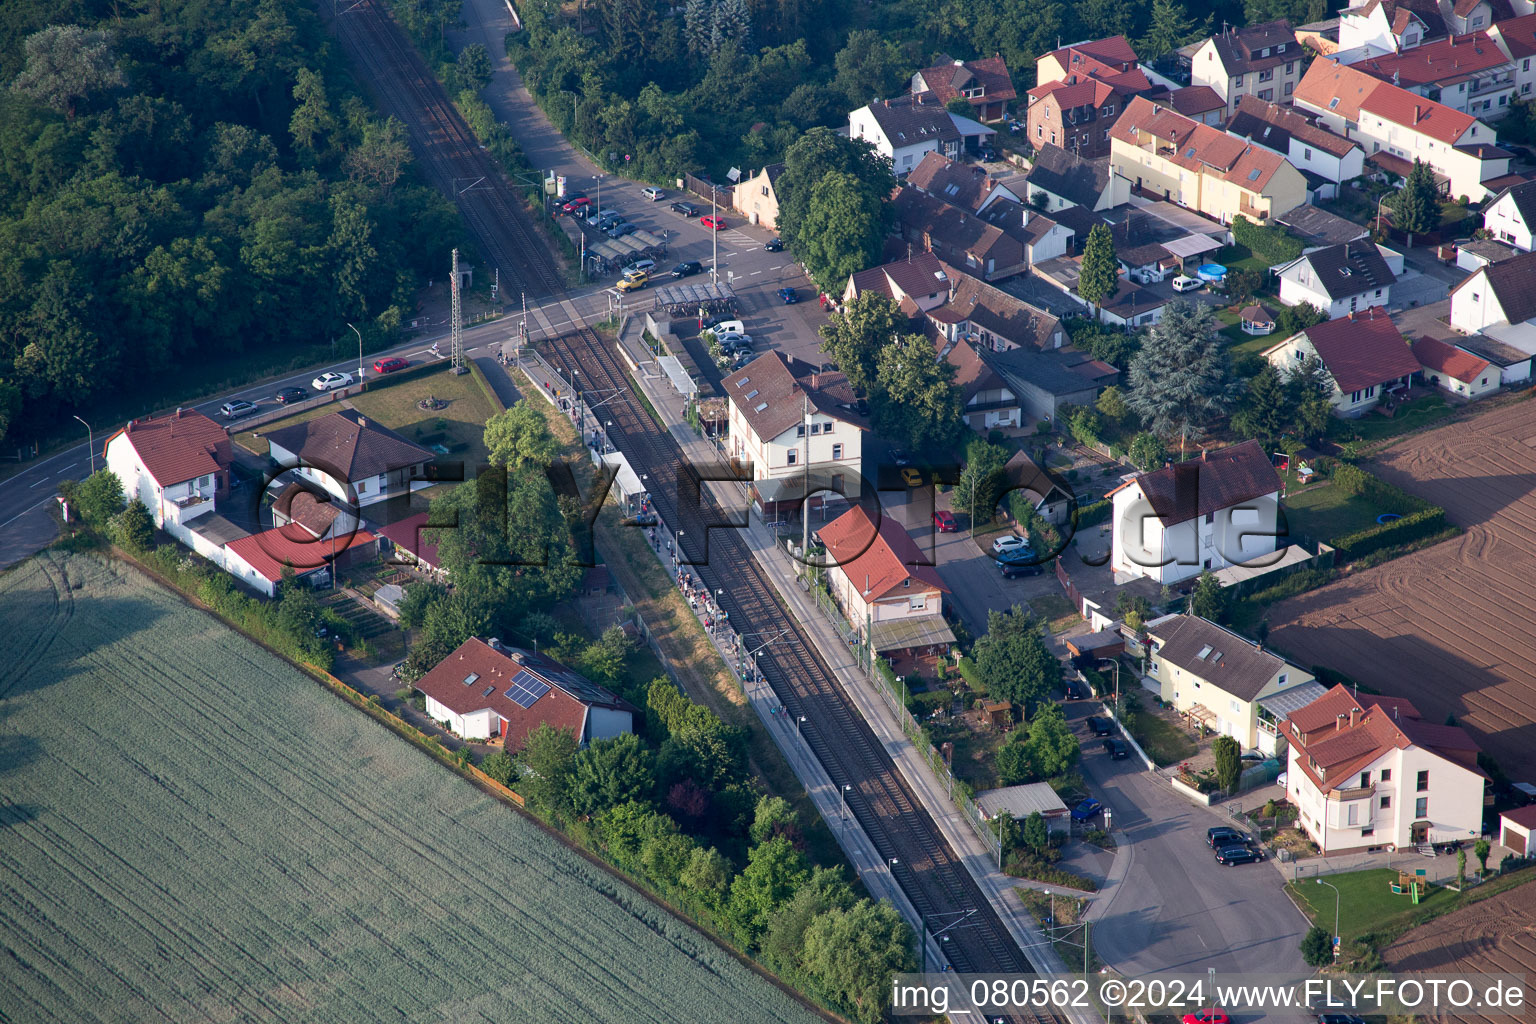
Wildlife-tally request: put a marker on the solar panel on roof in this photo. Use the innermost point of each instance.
(526, 688)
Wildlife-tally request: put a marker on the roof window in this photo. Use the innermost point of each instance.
(1204, 652)
(760, 406)
(1333, 103)
(471, 679)
(1253, 175)
(752, 394)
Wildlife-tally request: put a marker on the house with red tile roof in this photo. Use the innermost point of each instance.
(177, 465)
(1366, 772)
(1080, 90)
(1198, 103)
(1162, 152)
(984, 84)
(488, 690)
(1517, 38)
(261, 559)
(358, 461)
(1207, 513)
(1389, 26)
(408, 543)
(1468, 73)
(916, 284)
(1364, 353)
(888, 590)
(1458, 371)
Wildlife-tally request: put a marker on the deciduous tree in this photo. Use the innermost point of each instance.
(915, 399)
(1147, 452)
(474, 67)
(611, 772)
(1013, 660)
(774, 871)
(854, 953)
(852, 337)
(65, 64)
(843, 231)
(1052, 748)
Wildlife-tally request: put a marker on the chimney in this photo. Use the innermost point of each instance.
(1338, 723)
(1204, 451)
(517, 656)
(1354, 717)
(1394, 712)
(362, 421)
(178, 412)
(1415, 113)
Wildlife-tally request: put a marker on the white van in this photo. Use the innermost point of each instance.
(729, 327)
(640, 265)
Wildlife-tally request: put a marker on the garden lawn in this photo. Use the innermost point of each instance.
(195, 831)
(1421, 412)
(1055, 611)
(1164, 742)
(1366, 902)
(1323, 512)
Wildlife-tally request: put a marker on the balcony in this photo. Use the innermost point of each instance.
(1358, 793)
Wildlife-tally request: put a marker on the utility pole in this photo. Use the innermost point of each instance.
(714, 235)
(456, 322)
(522, 331)
(359, 353)
(805, 508)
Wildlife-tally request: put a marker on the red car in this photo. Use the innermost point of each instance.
(714, 223)
(945, 521)
(1211, 1016)
(576, 204)
(390, 365)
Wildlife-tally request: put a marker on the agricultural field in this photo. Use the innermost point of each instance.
(194, 831)
(1458, 612)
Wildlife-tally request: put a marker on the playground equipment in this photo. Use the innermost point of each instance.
(1411, 883)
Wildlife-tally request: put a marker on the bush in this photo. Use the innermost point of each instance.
(1411, 527)
(1317, 947)
(972, 677)
(1022, 864)
(1094, 514)
(1269, 241)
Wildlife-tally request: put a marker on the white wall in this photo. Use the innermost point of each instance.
(1234, 536)
(1298, 284)
(1475, 306)
(1455, 802)
(124, 462)
(237, 566)
(1503, 219)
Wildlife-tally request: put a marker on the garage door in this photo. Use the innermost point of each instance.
(1515, 841)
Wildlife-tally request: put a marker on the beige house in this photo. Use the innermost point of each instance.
(755, 199)
(1458, 371)
(1214, 677)
(1366, 773)
(1260, 60)
(1200, 167)
(889, 591)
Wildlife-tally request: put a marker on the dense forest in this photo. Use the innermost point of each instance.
(710, 84)
(190, 190)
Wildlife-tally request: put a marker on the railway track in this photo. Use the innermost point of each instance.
(448, 150)
(938, 884)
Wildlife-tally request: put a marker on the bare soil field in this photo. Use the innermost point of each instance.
(193, 831)
(1496, 935)
(1452, 627)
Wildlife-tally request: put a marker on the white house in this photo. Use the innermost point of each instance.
(1216, 678)
(1467, 73)
(1364, 353)
(1458, 371)
(1387, 26)
(1500, 301)
(1338, 279)
(1207, 513)
(916, 284)
(1511, 216)
(1065, 180)
(1366, 772)
(488, 690)
(261, 560)
(1313, 150)
(357, 461)
(1517, 38)
(798, 435)
(1259, 60)
(904, 128)
(177, 465)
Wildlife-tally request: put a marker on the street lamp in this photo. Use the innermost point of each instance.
(359, 353)
(843, 793)
(1052, 921)
(799, 719)
(90, 443)
(1115, 664)
(1335, 889)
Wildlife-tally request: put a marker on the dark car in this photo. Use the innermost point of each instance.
(686, 209)
(291, 395)
(1073, 689)
(1238, 855)
(1018, 556)
(1101, 726)
(1224, 835)
(1116, 749)
(1087, 809)
(1017, 570)
(390, 365)
(620, 229)
(774, 245)
(688, 268)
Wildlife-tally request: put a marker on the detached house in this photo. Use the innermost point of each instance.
(1260, 60)
(1338, 279)
(916, 284)
(1216, 678)
(1367, 772)
(984, 84)
(1207, 513)
(1500, 301)
(1081, 89)
(1068, 180)
(798, 434)
(949, 181)
(1363, 352)
(487, 690)
(358, 461)
(756, 199)
(1511, 216)
(177, 465)
(888, 590)
(992, 319)
(1387, 26)
(905, 128)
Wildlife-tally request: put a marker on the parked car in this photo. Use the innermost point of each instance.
(645, 265)
(1282, 779)
(1009, 542)
(1224, 835)
(1086, 810)
(575, 203)
(606, 219)
(1187, 284)
(235, 409)
(1101, 726)
(789, 296)
(727, 327)
(634, 281)
(653, 193)
(742, 358)
(1074, 690)
(900, 457)
(391, 364)
(733, 342)
(1211, 1016)
(944, 521)
(1018, 556)
(686, 209)
(1016, 570)
(774, 245)
(1238, 855)
(620, 229)
(288, 395)
(714, 223)
(331, 380)
(911, 477)
(1116, 749)
(688, 268)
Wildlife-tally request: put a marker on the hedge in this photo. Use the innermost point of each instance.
(1409, 528)
(1093, 515)
(1268, 241)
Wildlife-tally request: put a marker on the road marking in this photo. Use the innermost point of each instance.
(754, 273)
(38, 484)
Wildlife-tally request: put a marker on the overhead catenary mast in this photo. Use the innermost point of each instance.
(456, 321)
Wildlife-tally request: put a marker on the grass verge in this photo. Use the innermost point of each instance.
(1369, 909)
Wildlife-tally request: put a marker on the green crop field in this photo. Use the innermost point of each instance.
(193, 831)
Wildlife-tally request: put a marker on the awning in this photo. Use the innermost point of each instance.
(902, 634)
(1191, 245)
(627, 481)
(1202, 714)
(683, 383)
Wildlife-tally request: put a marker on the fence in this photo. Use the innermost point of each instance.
(700, 187)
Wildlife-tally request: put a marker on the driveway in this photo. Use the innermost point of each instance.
(1169, 906)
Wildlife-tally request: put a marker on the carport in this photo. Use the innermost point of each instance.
(695, 300)
(915, 644)
(1203, 715)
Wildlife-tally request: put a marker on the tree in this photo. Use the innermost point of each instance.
(133, 528)
(784, 944)
(961, 106)
(1481, 850)
(1100, 276)
(500, 767)
(1182, 378)
(1052, 748)
(1295, 319)
(311, 124)
(610, 772)
(1169, 28)
(474, 67)
(603, 659)
(1134, 609)
(1461, 869)
(1267, 409)
(853, 337)
(10, 406)
(420, 595)
(843, 231)
(1036, 835)
(868, 67)
(707, 876)
(1229, 762)
(1317, 947)
(1207, 599)
(1012, 658)
(1013, 765)
(774, 817)
(97, 498)
(381, 156)
(1111, 404)
(1147, 452)
(1416, 206)
(774, 871)
(808, 161)
(548, 760)
(65, 64)
(915, 399)
(854, 953)
(981, 480)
